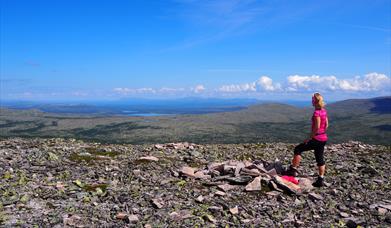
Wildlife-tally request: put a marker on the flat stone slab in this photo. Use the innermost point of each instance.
(148, 158)
(305, 185)
(315, 196)
(188, 171)
(254, 185)
(239, 180)
(286, 185)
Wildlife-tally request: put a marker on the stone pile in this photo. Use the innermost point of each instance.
(229, 175)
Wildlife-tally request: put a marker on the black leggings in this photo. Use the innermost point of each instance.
(315, 145)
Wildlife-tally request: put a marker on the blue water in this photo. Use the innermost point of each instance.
(145, 107)
(149, 114)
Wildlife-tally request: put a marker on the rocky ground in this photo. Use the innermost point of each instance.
(58, 182)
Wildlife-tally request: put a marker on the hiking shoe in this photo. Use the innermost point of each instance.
(319, 182)
(292, 171)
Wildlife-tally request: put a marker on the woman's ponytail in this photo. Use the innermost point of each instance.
(318, 101)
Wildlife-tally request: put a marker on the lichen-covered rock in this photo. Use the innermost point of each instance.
(67, 182)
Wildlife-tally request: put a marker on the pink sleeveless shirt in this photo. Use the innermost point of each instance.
(321, 134)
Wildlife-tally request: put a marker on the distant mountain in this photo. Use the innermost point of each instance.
(379, 105)
(268, 112)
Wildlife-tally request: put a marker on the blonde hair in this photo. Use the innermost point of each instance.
(318, 101)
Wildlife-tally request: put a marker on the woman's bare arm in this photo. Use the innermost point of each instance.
(327, 122)
(316, 127)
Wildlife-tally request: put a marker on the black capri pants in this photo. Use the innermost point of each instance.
(315, 145)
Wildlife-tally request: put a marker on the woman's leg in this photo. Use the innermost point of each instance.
(321, 170)
(296, 160)
(292, 171)
(319, 156)
(299, 149)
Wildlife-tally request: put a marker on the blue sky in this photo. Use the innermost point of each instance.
(275, 49)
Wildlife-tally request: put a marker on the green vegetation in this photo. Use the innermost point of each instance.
(364, 120)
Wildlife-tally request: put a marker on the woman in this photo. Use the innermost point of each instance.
(316, 141)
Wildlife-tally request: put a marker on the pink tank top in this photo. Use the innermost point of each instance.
(321, 134)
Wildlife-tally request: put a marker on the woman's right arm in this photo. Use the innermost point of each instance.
(316, 127)
(327, 122)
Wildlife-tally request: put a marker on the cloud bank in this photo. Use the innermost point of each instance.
(294, 86)
(124, 91)
(372, 82)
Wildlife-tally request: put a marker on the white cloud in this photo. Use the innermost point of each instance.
(198, 88)
(369, 83)
(314, 82)
(158, 91)
(264, 83)
(171, 90)
(247, 87)
(126, 91)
